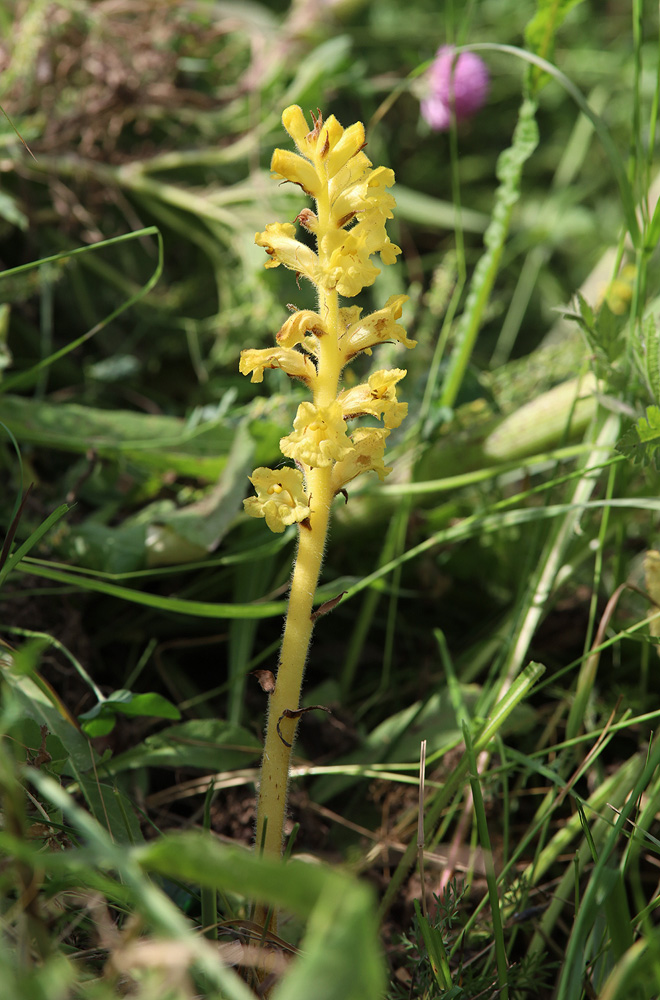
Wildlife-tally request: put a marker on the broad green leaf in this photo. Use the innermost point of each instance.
(200, 526)
(210, 744)
(100, 720)
(115, 550)
(36, 700)
(150, 441)
(340, 956)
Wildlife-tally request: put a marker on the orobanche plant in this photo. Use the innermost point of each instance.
(352, 206)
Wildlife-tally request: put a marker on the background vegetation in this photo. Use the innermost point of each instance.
(500, 589)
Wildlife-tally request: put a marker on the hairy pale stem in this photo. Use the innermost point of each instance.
(274, 781)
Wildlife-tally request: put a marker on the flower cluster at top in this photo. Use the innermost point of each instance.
(352, 207)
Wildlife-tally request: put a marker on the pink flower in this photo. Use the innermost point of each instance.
(460, 87)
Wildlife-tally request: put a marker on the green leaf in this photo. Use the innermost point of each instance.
(113, 811)
(10, 211)
(149, 441)
(509, 172)
(209, 744)
(100, 720)
(650, 334)
(201, 526)
(641, 442)
(35, 699)
(540, 32)
(340, 955)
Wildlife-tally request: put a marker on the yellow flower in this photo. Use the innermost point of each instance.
(366, 456)
(304, 327)
(294, 168)
(281, 497)
(376, 398)
(319, 436)
(376, 328)
(278, 241)
(292, 362)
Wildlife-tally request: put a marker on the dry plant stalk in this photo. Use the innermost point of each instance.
(352, 207)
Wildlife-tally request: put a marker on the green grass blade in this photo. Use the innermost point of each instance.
(484, 839)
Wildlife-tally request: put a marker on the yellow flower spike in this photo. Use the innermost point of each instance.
(366, 456)
(319, 436)
(280, 498)
(293, 363)
(377, 398)
(348, 223)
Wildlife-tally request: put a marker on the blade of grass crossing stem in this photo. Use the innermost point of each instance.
(570, 983)
(177, 605)
(519, 690)
(484, 839)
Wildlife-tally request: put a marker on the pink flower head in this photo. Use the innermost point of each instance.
(460, 87)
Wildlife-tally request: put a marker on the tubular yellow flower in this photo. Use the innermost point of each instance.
(295, 123)
(346, 146)
(280, 498)
(278, 241)
(376, 328)
(304, 327)
(366, 456)
(296, 169)
(377, 397)
(292, 362)
(319, 436)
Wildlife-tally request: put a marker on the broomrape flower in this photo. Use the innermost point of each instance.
(377, 398)
(319, 436)
(280, 497)
(348, 223)
(457, 87)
